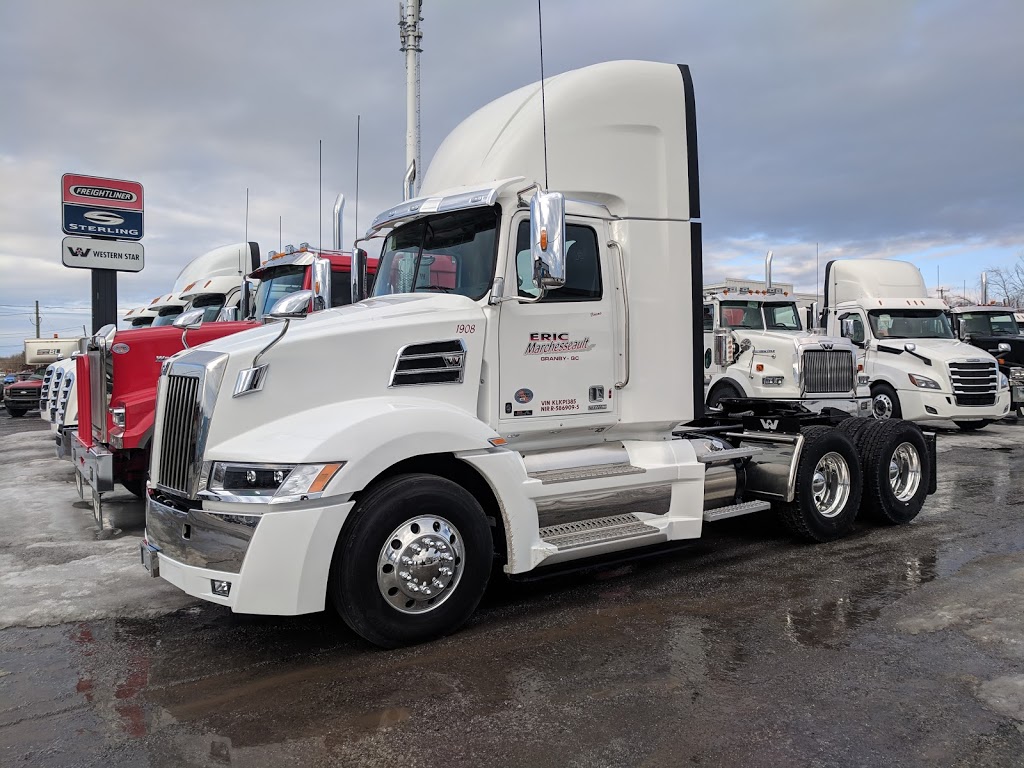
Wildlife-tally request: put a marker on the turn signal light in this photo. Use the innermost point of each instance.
(760, 367)
(324, 477)
(544, 239)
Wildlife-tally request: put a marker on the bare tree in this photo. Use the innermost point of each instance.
(1007, 283)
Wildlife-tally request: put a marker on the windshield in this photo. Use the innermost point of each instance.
(782, 317)
(909, 324)
(446, 253)
(166, 316)
(988, 324)
(279, 284)
(742, 314)
(211, 304)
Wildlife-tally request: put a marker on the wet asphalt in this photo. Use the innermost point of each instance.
(893, 647)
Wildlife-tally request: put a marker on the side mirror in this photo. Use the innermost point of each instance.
(848, 330)
(1003, 347)
(293, 305)
(188, 319)
(245, 307)
(228, 315)
(547, 239)
(320, 282)
(357, 274)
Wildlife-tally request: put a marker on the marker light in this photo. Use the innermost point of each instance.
(544, 239)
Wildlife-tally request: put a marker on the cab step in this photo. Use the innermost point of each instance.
(728, 454)
(735, 510)
(585, 473)
(597, 531)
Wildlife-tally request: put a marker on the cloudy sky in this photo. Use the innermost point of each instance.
(872, 128)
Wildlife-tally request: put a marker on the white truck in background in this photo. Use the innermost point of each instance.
(524, 358)
(917, 369)
(756, 347)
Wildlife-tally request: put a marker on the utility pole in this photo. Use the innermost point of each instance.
(409, 33)
(37, 318)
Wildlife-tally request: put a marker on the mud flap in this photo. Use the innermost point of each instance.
(933, 453)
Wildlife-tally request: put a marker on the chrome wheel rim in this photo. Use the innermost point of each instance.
(420, 564)
(881, 406)
(905, 472)
(830, 484)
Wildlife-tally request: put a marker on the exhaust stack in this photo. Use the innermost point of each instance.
(339, 212)
(984, 288)
(768, 271)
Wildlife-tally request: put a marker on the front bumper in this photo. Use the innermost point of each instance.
(924, 405)
(63, 441)
(278, 568)
(95, 464)
(22, 402)
(855, 406)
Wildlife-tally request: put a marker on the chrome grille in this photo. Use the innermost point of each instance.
(44, 393)
(64, 397)
(435, 362)
(975, 383)
(178, 433)
(828, 371)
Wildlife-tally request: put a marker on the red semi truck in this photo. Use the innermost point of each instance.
(117, 371)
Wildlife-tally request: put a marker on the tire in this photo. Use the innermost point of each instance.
(1019, 412)
(828, 454)
(373, 600)
(15, 412)
(885, 403)
(972, 426)
(722, 392)
(888, 447)
(854, 427)
(136, 485)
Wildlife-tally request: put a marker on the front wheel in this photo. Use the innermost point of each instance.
(885, 403)
(412, 562)
(972, 426)
(136, 485)
(828, 486)
(722, 392)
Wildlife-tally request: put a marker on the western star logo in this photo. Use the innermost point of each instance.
(770, 424)
(104, 193)
(82, 253)
(79, 253)
(453, 361)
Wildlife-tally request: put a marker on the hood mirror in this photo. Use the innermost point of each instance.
(228, 315)
(189, 319)
(910, 347)
(547, 239)
(293, 305)
(1003, 347)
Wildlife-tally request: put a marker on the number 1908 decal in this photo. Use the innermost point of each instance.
(460, 328)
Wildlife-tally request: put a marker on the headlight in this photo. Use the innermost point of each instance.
(923, 381)
(863, 379)
(1004, 383)
(773, 381)
(270, 483)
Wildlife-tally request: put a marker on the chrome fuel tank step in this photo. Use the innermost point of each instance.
(735, 510)
(599, 531)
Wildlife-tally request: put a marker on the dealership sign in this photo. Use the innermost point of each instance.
(90, 253)
(100, 207)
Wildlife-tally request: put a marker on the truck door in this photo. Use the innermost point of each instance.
(557, 356)
(853, 327)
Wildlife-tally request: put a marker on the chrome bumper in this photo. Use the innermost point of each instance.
(95, 465)
(195, 537)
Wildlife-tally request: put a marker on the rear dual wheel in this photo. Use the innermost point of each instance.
(895, 465)
(828, 486)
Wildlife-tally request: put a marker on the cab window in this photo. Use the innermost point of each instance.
(341, 288)
(709, 317)
(742, 314)
(582, 265)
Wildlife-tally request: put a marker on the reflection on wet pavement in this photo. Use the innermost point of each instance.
(746, 649)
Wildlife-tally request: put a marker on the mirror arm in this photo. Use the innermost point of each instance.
(262, 352)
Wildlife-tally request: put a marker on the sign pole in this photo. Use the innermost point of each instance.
(104, 298)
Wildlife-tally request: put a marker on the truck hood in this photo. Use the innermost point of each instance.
(991, 345)
(937, 350)
(345, 353)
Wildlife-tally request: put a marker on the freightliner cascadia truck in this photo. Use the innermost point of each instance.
(510, 392)
(918, 370)
(995, 330)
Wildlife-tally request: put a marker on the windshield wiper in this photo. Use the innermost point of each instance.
(433, 288)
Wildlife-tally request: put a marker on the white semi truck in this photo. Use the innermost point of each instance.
(523, 362)
(756, 347)
(918, 370)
